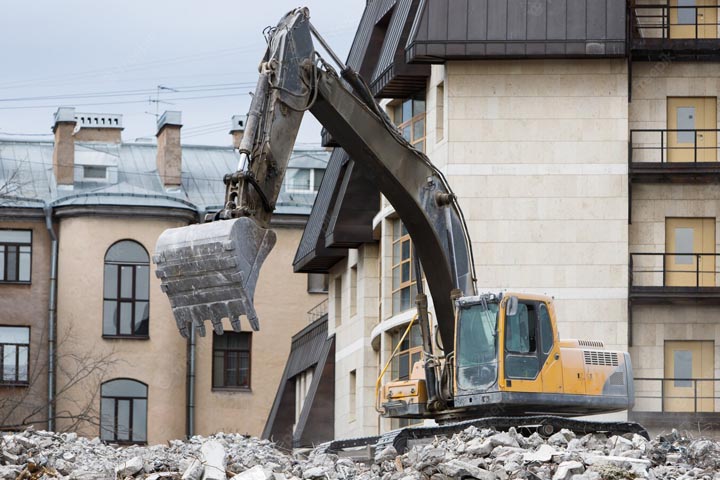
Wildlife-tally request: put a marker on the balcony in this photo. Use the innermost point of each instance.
(667, 32)
(674, 156)
(674, 278)
(682, 403)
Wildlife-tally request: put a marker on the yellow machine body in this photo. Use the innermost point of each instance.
(515, 364)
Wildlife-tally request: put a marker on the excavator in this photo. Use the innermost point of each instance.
(488, 359)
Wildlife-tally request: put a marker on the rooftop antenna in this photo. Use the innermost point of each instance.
(157, 101)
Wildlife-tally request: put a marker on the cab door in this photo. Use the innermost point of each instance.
(521, 350)
(552, 370)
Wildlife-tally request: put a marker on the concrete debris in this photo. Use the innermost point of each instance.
(483, 454)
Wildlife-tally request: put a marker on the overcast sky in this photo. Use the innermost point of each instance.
(109, 57)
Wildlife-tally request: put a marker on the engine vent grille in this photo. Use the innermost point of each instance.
(607, 359)
(591, 343)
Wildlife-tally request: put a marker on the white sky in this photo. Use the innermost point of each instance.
(88, 47)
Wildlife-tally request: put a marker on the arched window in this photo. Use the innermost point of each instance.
(123, 411)
(126, 290)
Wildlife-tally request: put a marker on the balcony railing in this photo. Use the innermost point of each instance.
(673, 270)
(665, 22)
(663, 145)
(675, 395)
(318, 311)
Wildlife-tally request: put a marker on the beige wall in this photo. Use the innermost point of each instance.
(159, 362)
(281, 301)
(538, 158)
(27, 305)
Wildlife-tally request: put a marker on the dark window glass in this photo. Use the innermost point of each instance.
(546, 330)
(126, 290)
(15, 255)
(520, 331)
(123, 411)
(14, 354)
(231, 360)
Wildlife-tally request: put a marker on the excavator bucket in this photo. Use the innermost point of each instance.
(209, 271)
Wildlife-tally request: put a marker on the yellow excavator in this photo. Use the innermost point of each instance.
(493, 360)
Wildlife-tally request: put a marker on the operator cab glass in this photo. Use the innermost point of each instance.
(476, 352)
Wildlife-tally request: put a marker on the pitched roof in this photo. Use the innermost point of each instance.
(133, 177)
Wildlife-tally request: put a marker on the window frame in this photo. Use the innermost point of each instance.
(313, 187)
(398, 264)
(130, 415)
(4, 253)
(408, 352)
(119, 299)
(225, 387)
(17, 382)
(415, 117)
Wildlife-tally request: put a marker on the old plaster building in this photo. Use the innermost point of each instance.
(88, 339)
(581, 139)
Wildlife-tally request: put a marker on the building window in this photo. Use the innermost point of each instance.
(91, 172)
(126, 291)
(123, 411)
(404, 289)
(317, 283)
(14, 354)
(303, 180)
(353, 290)
(409, 116)
(440, 112)
(338, 301)
(15, 256)
(231, 360)
(410, 351)
(352, 397)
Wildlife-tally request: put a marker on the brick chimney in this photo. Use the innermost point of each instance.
(98, 127)
(237, 129)
(64, 151)
(169, 152)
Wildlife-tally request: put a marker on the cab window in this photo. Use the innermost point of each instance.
(520, 331)
(546, 330)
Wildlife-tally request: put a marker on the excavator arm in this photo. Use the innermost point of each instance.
(209, 271)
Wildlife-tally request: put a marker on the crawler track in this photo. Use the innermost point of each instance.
(544, 424)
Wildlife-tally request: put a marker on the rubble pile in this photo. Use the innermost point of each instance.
(474, 453)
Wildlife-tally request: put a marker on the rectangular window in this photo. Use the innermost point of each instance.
(440, 111)
(14, 354)
(686, 121)
(15, 256)
(686, 16)
(352, 403)
(231, 360)
(353, 290)
(338, 301)
(404, 289)
(303, 180)
(683, 368)
(317, 283)
(94, 172)
(410, 351)
(409, 116)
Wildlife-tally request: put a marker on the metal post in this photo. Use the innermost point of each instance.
(662, 146)
(695, 146)
(697, 271)
(695, 384)
(662, 394)
(664, 269)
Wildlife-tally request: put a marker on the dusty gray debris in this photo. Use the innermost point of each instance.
(129, 467)
(484, 454)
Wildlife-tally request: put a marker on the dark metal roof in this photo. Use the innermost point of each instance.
(311, 349)
(477, 29)
(393, 77)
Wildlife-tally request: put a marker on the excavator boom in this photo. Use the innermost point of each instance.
(295, 79)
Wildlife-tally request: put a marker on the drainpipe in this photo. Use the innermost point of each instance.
(52, 316)
(192, 361)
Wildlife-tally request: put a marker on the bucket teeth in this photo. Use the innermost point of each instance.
(209, 272)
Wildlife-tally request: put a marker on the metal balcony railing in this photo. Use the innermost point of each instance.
(665, 395)
(318, 311)
(693, 270)
(666, 22)
(662, 145)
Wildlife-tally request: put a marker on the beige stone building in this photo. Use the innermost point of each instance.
(581, 140)
(121, 370)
